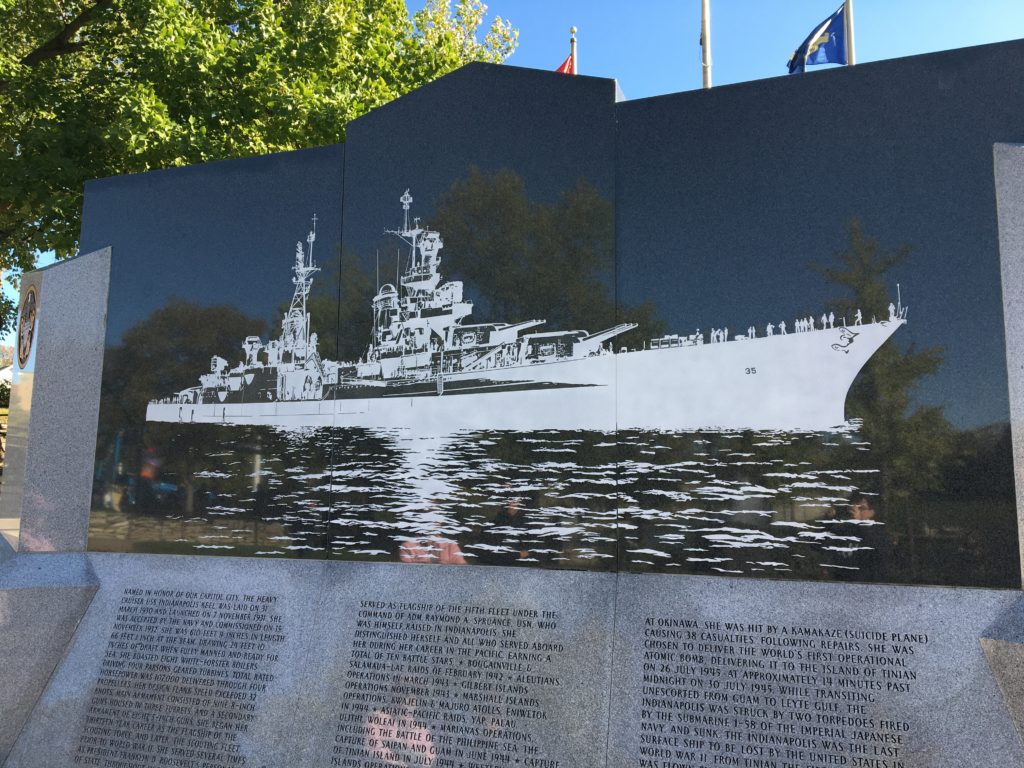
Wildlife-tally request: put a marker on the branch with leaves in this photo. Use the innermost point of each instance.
(95, 88)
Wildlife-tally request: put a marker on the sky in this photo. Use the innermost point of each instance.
(652, 46)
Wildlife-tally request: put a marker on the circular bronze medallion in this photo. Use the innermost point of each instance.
(27, 325)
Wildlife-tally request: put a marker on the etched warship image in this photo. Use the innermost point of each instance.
(427, 369)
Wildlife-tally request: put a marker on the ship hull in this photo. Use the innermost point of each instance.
(793, 382)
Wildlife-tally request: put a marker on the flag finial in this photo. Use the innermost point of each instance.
(572, 51)
(570, 65)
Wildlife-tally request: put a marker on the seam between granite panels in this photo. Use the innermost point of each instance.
(612, 641)
(332, 497)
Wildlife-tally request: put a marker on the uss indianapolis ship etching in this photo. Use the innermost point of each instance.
(427, 369)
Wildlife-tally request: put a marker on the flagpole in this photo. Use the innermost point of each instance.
(572, 50)
(705, 41)
(851, 55)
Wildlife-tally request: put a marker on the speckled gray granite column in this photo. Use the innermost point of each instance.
(1003, 642)
(54, 408)
(47, 482)
(12, 489)
(1009, 177)
(42, 599)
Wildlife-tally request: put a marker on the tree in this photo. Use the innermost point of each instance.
(947, 491)
(93, 88)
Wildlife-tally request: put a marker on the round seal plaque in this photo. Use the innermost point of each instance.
(27, 325)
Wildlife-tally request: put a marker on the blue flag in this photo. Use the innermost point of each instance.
(825, 45)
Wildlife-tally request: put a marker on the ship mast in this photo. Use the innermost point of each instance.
(406, 234)
(304, 270)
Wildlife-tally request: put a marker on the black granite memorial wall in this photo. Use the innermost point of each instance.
(855, 208)
(625, 349)
(781, 202)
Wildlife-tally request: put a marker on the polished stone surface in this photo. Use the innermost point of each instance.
(1003, 643)
(327, 676)
(359, 640)
(733, 207)
(18, 419)
(202, 260)
(1007, 663)
(830, 671)
(311, 662)
(557, 203)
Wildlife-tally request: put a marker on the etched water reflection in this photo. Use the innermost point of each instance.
(755, 503)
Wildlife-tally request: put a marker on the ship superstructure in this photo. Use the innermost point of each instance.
(286, 368)
(427, 368)
(418, 333)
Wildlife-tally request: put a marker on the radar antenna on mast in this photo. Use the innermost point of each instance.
(406, 201)
(311, 238)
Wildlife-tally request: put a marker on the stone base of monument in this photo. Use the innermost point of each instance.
(42, 599)
(192, 661)
(721, 672)
(221, 662)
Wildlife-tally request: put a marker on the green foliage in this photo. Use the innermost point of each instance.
(93, 88)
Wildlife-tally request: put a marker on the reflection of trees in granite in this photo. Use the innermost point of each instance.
(522, 259)
(945, 495)
(913, 443)
(157, 469)
(922, 457)
(350, 303)
(166, 353)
